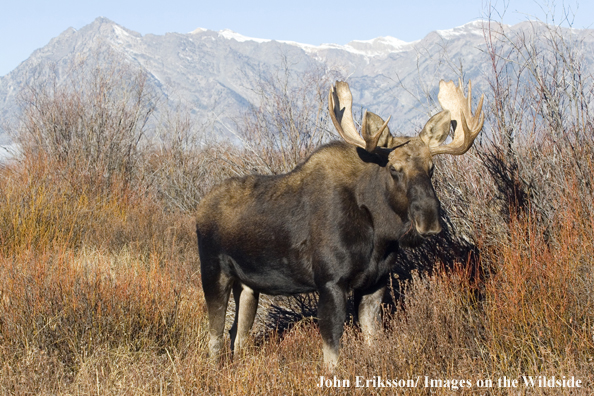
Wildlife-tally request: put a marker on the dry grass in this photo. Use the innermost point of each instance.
(100, 294)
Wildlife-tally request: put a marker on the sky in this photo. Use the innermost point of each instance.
(26, 25)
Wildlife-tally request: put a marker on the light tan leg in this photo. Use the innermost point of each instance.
(246, 302)
(330, 357)
(370, 315)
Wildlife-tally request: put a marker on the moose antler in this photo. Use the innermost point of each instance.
(340, 104)
(468, 125)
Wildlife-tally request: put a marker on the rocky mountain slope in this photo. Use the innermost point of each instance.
(215, 73)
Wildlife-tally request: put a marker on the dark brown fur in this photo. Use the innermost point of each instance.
(331, 225)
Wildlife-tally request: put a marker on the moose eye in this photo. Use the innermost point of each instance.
(395, 171)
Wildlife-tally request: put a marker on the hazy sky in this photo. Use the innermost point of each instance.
(26, 25)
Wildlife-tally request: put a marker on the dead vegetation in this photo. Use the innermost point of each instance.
(99, 285)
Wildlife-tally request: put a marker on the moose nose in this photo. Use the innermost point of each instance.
(424, 207)
(425, 215)
(428, 230)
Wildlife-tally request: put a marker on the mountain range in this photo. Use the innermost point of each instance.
(214, 73)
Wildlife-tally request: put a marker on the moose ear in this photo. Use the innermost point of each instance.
(373, 123)
(436, 130)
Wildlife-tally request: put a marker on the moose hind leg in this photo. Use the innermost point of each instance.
(331, 316)
(369, 312)
(216, 292)
(246, 304)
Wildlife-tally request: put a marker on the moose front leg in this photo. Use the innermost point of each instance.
(331, 316)
(369, 312)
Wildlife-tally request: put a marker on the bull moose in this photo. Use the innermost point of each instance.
(333, 224)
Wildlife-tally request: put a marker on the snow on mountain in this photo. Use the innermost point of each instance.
(231, 35)
(475, 27)
(377, 46)
(215, 73)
